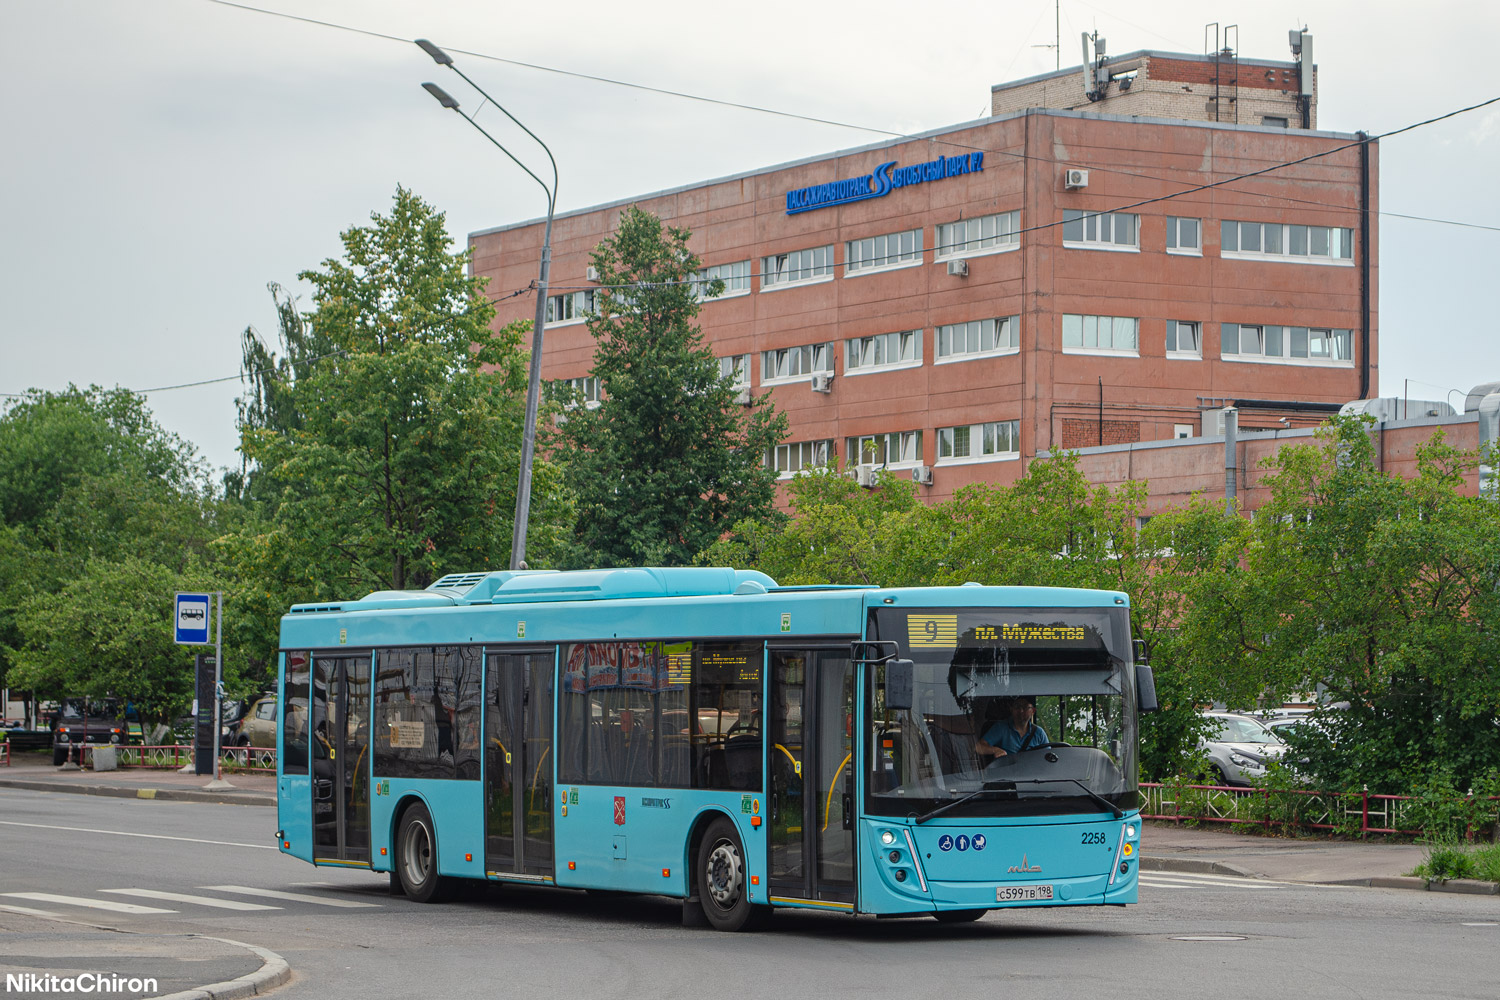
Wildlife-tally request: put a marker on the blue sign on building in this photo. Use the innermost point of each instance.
(191, 615)
(885, 179)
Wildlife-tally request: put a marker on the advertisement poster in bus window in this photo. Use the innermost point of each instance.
(638, 665)
(575, 673)
(604, 665)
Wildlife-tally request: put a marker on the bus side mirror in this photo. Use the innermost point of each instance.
(1145, 688)
(1139, 645)
(898, 684)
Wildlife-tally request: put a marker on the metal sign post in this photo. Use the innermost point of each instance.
(192, 614)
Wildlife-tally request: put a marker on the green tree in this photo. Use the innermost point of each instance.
(100, 505)
(669, 461)
(393, 459)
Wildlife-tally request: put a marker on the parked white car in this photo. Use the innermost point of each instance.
(1238, 748)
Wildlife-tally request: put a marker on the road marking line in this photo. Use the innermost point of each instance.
(97, 904)
(148, 836)
(28, 911)
(295, 897)
(182, 897)
(1238, 880)
(1247, 883)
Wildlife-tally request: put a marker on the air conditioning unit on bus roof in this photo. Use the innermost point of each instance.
(1073, 179)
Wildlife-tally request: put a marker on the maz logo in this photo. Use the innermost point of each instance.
(1024, 867)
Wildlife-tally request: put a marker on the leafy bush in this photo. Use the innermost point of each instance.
(1446, 861)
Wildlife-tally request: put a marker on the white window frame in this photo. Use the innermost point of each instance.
(1286, 234)
(874, 254)
(978, 236)
(1091, 226)
(589, 391)
(904, 345)
(806, 267)
(1175, 329)
(907, 446)
(1180, 431)
(1004, 331)
(810, 360)
(791, 457)
(738, 366)
(1094, 324)
(1285, 340)
(736, 276)
(974, 438)
(577, 305)
(1174, 236)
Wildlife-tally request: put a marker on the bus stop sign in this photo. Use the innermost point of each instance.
(192, 619)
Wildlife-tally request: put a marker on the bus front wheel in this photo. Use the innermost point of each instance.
(416, 857)
(722, 882)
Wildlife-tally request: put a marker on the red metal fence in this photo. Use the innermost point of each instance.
(1354, 813)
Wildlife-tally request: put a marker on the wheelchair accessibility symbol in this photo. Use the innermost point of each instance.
(945, 843)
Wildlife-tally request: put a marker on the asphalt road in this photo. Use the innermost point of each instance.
(347, 938)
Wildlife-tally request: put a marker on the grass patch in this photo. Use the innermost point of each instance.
(1449, 861)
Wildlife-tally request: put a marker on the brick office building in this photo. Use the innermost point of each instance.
(957, 302)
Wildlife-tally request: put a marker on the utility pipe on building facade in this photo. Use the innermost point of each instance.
(1231, 456)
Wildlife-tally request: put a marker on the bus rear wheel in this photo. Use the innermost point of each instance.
(722, 883)
(416, 857)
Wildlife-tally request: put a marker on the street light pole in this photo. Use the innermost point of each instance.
(534, 383)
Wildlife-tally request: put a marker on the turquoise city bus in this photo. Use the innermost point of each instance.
(708, 735)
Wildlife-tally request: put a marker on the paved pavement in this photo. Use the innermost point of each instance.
(35, 771)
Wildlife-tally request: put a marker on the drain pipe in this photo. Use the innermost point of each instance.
(1231, 457)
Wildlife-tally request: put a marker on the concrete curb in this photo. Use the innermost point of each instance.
(171, 794)
(274, 972)
(1193, 865)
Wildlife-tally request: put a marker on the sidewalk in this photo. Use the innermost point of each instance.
(35, 771)
(1375, 863)
(86, 957)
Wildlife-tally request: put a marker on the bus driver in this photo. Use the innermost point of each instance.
(1015, 734)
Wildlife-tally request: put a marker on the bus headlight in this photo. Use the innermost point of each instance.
(887, 837)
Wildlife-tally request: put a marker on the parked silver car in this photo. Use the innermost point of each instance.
(1238, 748)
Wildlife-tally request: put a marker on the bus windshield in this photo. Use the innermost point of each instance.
(1015, 712)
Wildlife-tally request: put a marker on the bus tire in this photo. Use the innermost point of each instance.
(958, 916)
(722, 882)
(416, 857)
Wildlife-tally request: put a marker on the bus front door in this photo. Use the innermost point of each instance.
(811, 767)
(340, 707)
(518, 764)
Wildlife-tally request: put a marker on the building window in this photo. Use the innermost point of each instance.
(890, 250)
(736, 278)
(1101, 230)
(1184, 339)
(794, 363)
(585, 390)
(1184, 236)
(1100, 334)
(736, 367)
(569, 307)
(1180, 431)
(1275, 121)
(980, 442)
(798, 266)
(885, 350)
(1275, 241)
(1285, 343)
(978, 338)
(789, 459)
(983, 234)
(897, 448)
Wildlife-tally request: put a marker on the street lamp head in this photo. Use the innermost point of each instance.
(441, 95)
(438, 55)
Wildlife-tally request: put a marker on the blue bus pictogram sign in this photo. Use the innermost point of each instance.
(191, 615)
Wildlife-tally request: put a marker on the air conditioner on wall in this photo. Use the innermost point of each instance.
(865, 476)
(593, 273)
(822, 383)
(743, 397)
(959, 267)
(1075, 179)
(922, 475)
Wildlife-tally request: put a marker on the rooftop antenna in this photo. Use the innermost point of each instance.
(1095, 76)
(1056, 45)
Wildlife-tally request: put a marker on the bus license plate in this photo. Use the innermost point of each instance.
(1011, 893)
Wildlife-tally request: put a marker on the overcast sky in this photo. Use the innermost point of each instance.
(165, 159)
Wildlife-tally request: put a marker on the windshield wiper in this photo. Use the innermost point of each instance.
(989, 786)
(1119, 813)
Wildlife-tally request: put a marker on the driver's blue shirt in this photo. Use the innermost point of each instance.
(1003, 735)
